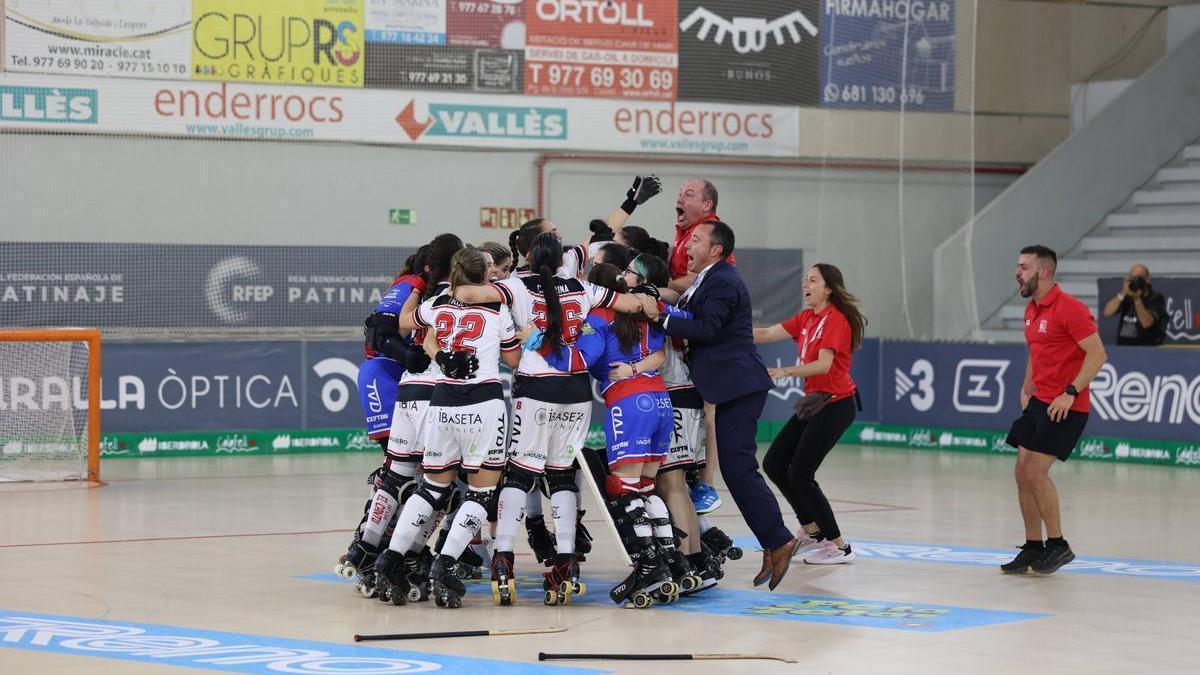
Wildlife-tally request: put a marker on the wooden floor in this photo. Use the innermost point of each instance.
(226, 564)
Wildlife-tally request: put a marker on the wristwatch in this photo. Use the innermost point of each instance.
(1072, 390)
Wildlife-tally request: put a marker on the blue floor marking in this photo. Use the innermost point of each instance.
(984, 557)
(761, 604)
(234, 652)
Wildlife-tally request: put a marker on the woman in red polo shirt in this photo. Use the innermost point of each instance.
(827, 332)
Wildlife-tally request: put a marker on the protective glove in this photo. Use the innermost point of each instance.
(415, 359)
(534, 341)
(458, 365)
(643, 188)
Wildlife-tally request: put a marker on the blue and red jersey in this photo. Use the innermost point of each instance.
(393, 301)
(598, 347)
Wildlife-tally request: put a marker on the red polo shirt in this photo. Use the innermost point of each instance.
(1054, 326)
(827, 329)
(679, 260)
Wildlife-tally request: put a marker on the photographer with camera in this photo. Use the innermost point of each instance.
(1142, 310)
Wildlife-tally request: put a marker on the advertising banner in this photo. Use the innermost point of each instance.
(601, 48)
(313, 42)
(483, 70)
(764, 51)
(781, 400)
(132, 38)
(1142, 392)
(406, 22)
(486, 23)
(1182, 303)
(245, 111)
(888, 55)
(202, 286)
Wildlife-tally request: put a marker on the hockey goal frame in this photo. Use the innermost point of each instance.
(92, 337)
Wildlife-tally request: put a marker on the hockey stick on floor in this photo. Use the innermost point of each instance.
(455, 633)
(543, 656)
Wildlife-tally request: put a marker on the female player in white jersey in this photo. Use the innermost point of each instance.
(551, 409)
(466, 427)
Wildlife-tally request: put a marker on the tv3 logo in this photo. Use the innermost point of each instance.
(978, 385)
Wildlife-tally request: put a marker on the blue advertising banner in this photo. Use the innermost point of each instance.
(888, 54)
(1142, 392)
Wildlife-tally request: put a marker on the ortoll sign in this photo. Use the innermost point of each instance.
(317, 42)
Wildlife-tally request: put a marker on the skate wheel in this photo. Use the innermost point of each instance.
(367, 591)
(453, 602)
(461, 572)
(345, 571)
(512, 591)
(734, 553)
(414, 594)
(642, 601)
(551, 597)
(439, 600)
(689, 583)
(496, 592)
(396, 597)
(669, 588)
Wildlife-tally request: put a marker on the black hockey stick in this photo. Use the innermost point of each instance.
(455, 634)
(543, 656)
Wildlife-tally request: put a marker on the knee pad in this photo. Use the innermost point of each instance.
(625, 516)
(392, 483)
(438, 496)
(484, 498)
(522, 479)
(407, 490)
(561, 480)
(455, 499)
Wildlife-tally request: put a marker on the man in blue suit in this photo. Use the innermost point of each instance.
(729, 373)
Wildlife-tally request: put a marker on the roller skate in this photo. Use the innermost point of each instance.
(649, 581)
(705, 567)
(685, 576)
(583, 538)
(416, 570)
(447, 589)
(562, 582)
(468, 564)
(504, 584)
(391, 577)
(721, 545)
(358, 563)
(540, 540)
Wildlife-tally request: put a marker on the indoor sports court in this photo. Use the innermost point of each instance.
(491, 336)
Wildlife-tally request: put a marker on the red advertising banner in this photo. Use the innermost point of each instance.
(602, 48)
(485, 23)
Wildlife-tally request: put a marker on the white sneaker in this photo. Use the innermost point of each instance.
(830, 554)
(807, 543)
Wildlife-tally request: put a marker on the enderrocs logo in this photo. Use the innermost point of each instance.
(748, 34)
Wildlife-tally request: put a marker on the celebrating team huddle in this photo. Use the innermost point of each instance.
(566, 316)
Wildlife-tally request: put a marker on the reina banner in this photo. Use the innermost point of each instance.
(601, 48)
(313, 42)
(132, 38)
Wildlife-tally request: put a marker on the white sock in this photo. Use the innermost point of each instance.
(471, 516)
(705, 523)
(510, 511)
(383, 507)
(563, 505)
(656, 509)
(533, 504)
(640, 529)
(415, 519)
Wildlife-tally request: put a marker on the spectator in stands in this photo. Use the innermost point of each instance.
(1141, 309)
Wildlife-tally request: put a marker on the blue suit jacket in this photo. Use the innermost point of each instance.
(724, 361)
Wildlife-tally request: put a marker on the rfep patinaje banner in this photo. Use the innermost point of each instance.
(399, 117)
(314, 42)
(601, 48)
(131, 38)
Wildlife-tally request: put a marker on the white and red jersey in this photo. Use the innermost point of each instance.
(429, 376)
(483, 330)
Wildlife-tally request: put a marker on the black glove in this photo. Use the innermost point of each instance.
(646, 289)
(600, 231)
(643, 188)
(458, 365)
(415, 359)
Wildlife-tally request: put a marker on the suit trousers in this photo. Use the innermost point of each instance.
(737, 427)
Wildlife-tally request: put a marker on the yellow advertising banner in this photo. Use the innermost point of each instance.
(318, 42)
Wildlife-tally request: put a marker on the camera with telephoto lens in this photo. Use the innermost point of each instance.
(1137, 284)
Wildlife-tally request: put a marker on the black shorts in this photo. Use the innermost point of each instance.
(1034, 430)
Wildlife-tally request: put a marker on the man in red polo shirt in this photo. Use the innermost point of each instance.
(696, 203)
(1065, 353)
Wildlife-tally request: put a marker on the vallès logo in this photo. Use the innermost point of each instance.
(484, 121)
(979, 385)
(335, 393)
(917, 384)
(45, 104)
(748, 34)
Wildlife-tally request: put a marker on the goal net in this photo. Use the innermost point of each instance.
(49, 405)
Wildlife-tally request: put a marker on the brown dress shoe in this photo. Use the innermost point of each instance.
(776, 563)
(764, 575)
